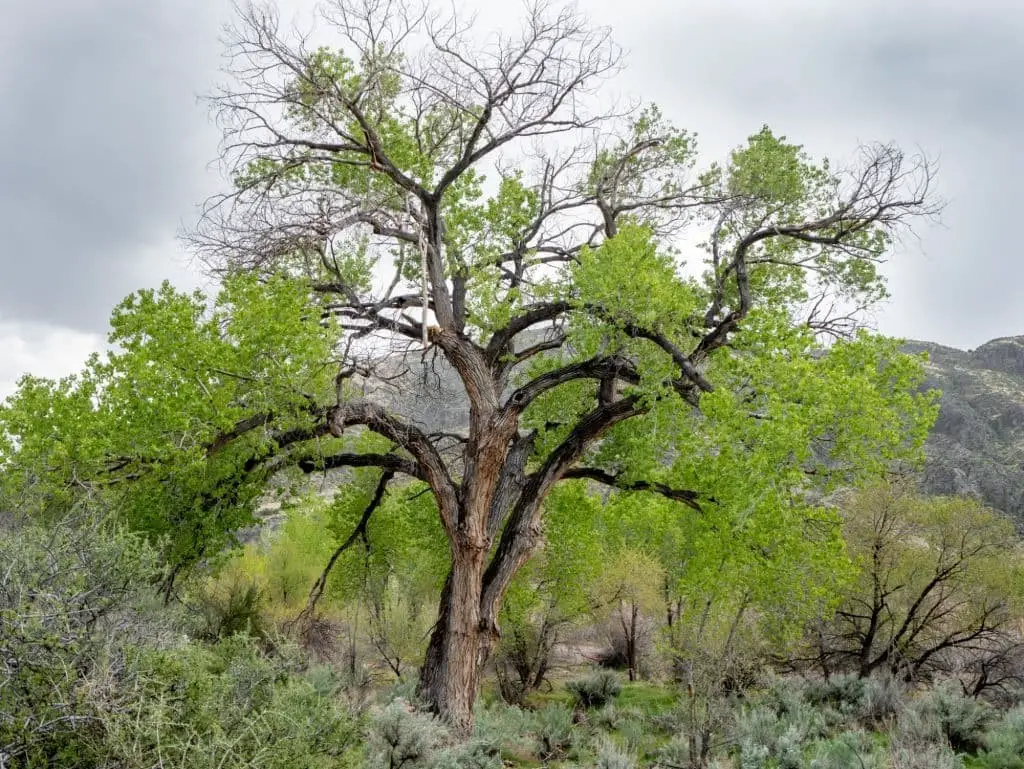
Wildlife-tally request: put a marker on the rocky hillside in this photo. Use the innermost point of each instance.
(977, 446)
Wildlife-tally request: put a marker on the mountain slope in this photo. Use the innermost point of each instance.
(977, 445)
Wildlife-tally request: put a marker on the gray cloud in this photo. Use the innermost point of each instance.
(944, 76)
(41, 350)
(102, 151)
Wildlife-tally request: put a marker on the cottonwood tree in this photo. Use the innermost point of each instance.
(418, 198)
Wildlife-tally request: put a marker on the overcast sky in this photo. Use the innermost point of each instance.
(105, 151)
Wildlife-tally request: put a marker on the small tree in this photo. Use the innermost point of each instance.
(936, 579)
(533, 619)
(555, 590)
(630, 587)
(417, 193)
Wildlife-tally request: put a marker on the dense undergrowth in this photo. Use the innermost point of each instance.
(96, 673)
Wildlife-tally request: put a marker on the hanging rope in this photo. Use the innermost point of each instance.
(422, 243)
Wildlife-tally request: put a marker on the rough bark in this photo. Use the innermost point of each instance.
(460, 649)
(459, 644)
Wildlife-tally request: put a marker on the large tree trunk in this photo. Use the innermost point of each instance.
(459, 645)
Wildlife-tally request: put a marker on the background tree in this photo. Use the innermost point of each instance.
(422, 197)
(937, 580)
(554, 592)
(630, 590)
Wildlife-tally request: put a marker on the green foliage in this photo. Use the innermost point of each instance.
(731, 404)
(766, 738)
(945, 714)
(925, 757)
(851, 696)
(778, 181)
(940, 574)
(850, 749)
(1004, 743)
(610, 756)
(554, 731)
(387, 582)
(227, 706)
(401, 737)
(89, 681)
(503, 729)
(145, 426)
(882, 698)
(654, 296)
(285, 565)
(763, 558)
(229, 608)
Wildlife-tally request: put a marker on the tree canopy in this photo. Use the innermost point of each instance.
(415, 202)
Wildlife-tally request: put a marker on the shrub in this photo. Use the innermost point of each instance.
(609, 756)
(553, 727)
(606, 718)
(838, 699)
(496, 728)
(596, 690)
(944, 714)
(503, 727)
(925, 757)
(882, 698)
(674, 753)
(471, 755)
(1004, 743)
(228, 706)
(843, 692)
(635, 733)
(850, 749)
(59, 589)
(533, 618)
(402, 737)
(402, 689)
(228, 608)
(766, 738)
(785, 695)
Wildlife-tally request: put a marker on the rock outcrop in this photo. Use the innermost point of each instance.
(977, 445)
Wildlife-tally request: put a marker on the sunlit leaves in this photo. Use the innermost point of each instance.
(629, 280)
(771, 183)
(143, 425)
(647, 169)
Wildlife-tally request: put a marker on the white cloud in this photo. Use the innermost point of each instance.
(42, 350)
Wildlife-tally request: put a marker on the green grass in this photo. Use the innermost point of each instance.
(649, 698)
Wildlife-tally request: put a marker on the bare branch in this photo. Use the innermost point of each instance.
(686, 496)
(359, 532)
